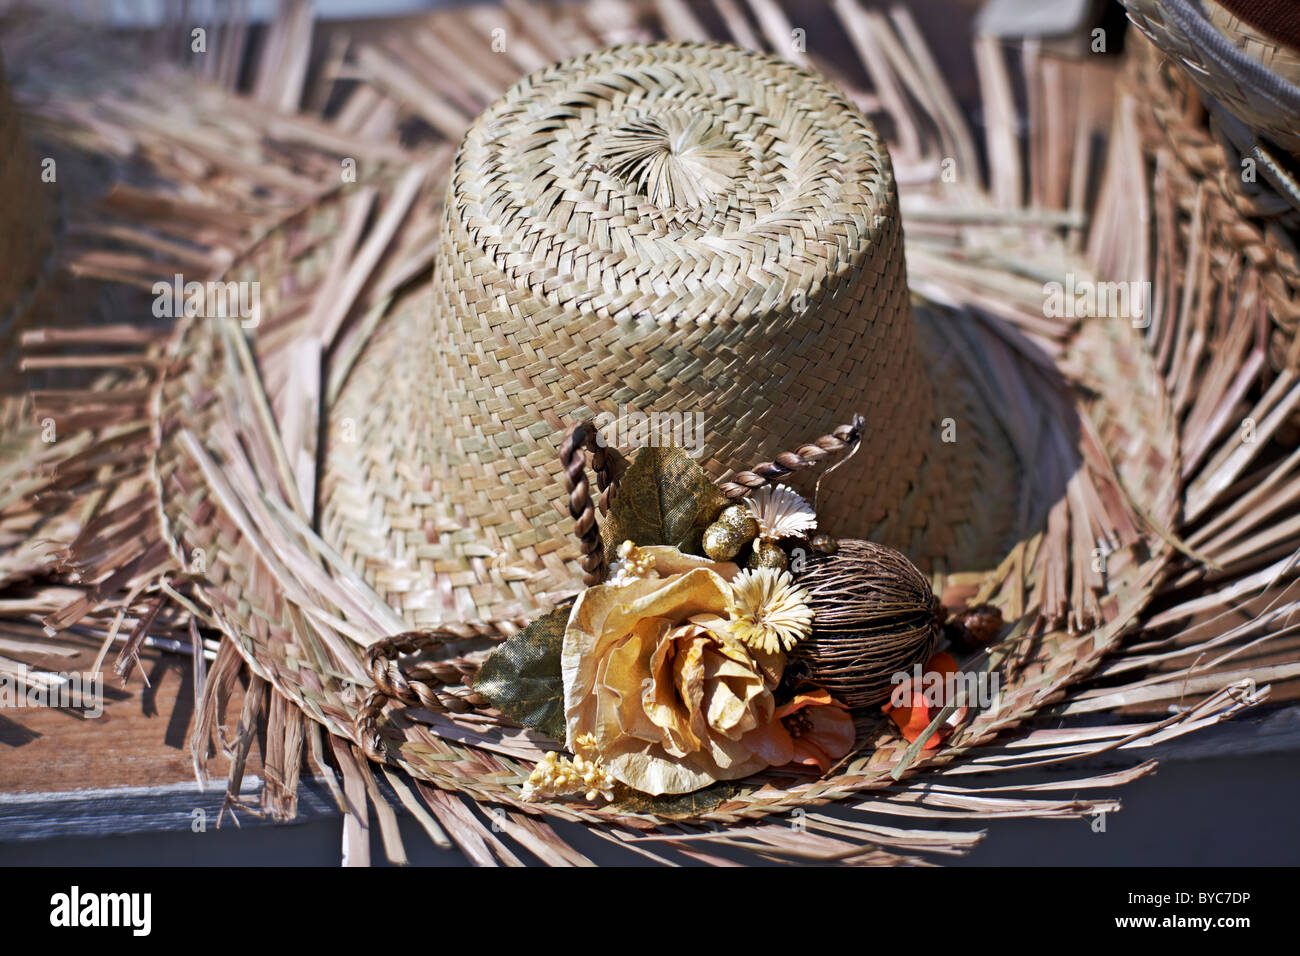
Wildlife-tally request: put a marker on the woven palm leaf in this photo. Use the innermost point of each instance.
(1223, 250)
(1274, 53)
(230, 525)
(1240, 212)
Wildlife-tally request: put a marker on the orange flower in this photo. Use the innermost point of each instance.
(927, 699)
(812, 729)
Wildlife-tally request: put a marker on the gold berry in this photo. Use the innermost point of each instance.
(768, 554)
(721, 543)
(741, 519)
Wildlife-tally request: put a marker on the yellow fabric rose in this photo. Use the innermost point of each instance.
(653, 673)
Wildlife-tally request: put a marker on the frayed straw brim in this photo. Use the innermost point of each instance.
(232, 431)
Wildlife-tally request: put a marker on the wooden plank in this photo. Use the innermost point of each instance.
(140, 740)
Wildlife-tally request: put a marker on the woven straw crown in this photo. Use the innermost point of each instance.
(683, 229)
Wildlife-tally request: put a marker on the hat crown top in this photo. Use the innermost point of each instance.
(728, 183)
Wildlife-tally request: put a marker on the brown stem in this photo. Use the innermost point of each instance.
(744, 483)
(439, 686)
(582, 509)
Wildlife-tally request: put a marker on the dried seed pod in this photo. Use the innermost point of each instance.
(722, 542)
(873, 617)
(768, 554)
(974, 628)
(824, 543)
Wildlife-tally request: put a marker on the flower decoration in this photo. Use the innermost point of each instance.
(654, 675)
(633, 563)
(734, 528)
(768, 611)
(740, 518)
(666, 677)
(913, 707)
(558, 776)
(812, 729)
(974, 628)
(781, 512)
(722, 543)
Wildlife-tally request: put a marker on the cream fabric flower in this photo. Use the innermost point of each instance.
(652, 671)
(768, 610)
(781, 512)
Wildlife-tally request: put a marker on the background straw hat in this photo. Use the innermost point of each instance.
(1254, 76)
(284, 495)
(1273, 38)
(25, 240)
(27, 243)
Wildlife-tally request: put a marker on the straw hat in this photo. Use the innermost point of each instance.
(439, 503)
(28, 232)
(1248, 200)
(1276, 46)
(25, 236)
(306, 542)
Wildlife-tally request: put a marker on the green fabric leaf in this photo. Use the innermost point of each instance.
(521, 677)
(663, 498)
(680, 806)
